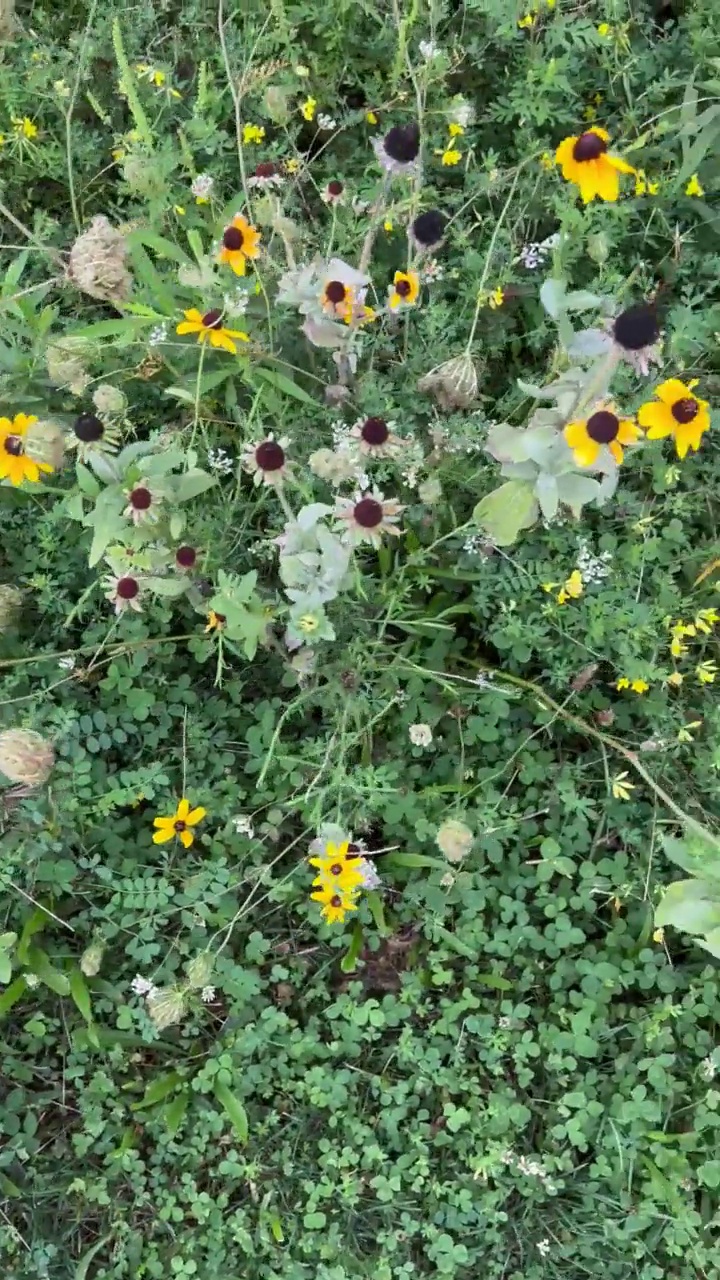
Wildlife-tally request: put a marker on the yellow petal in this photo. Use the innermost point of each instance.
(658, 419)
(194, 315)
(622, 166)
(186, 838)
(163, 822)
(237, 262)
(628, 432)
(586, 454)
(189, 326)
(588, 181)
(182, 810)
(219, 338)
(672, 391)
(601, 133)
(195, 816)
(161, 837)
(607, 180)
(576, 434)
(616, 451)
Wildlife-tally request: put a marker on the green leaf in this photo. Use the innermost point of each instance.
(12, 995)
(86, 480)
(692, 905)
(174, 1113)
(348, 964)
(5, 968)
(280, 383)
(234, 1109)
(80, 994)
(552, 296)
(39, 964)
(413, 860)
(377, 911)
(163, 248)
(701, 857)
(81, 1270)
(504, 512)
(157, 1090)
(35, 923)
(193, 483)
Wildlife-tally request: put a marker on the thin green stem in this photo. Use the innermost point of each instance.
(69, 115)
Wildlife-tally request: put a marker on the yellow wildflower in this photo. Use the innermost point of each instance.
(496, 299)
(455, 130)
(693, 187)
(684, 734)
(675, 680)
(25, 128)
(450, 156)
(309, 108)
(604, 29)
(706, 672)
(292, 165)
(637, 686)
(178, 823)
(572, 588)
(371, 117)
(659, 935)
(620, 788)
(706, 619)
(253, 133)
(388, 224)
(528, 20)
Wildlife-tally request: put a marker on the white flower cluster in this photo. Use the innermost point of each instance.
(158, 334)
(708, 1068)
(429, 50)
(421, 735)
(202, 186)
(243, 825)
(462, 112)
(324, 121)
(593, 568)
(529, 1168)
(220, 461)
(142, 987)
(533, 255)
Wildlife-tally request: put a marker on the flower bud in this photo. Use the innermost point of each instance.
(109, 399)
(166, 1006)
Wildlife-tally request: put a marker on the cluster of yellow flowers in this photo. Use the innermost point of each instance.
(571, 589)
(676, 412)
(680, 631)
(450, 153)
(338, 882)
(586, 162)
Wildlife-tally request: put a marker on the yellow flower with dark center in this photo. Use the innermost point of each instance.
(337, 299)
(406, 289)
(334, 904)
(338, 869)
(240, 241)
(603, 429)
(677, 412)
(15, 465)
(209, 328)
(585, 161)
(178, 824)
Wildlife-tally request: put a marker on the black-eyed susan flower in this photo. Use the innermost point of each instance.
(185, 558)
(585, 161)
(603, 429)
(266, 175)
(375, 439)
(240, 241)
(428, 229)
(399, 150)
(337, 868)
(267, 461)
(405, 290)
(333, 192)
(369, 517)
(636, 336)
(334, 904)
(123, 591)
(209, 328)
(15, 464)
(178, 825)
(677, 412)
(143, 504)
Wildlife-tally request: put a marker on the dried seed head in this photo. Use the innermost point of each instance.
(91, 959)
(10, 604)
(97, 262)
(454, 384)
(45, 442)
(26, 757)
(109, 399)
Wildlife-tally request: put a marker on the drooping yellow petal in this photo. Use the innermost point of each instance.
(622, 166)
(589, 181)
(162, 836)
(628, 431)
(616, 451)
(189, 326)
(607, 180)
(220, 338)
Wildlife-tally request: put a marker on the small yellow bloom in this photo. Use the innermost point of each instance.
(25, 128)
(210, 328)
(684, 734)
(675, 680)
(590, 114)
(659, 935)
(292, 165)
(450, 156)
(455, 130)
(706, 672)
(709, 617)
(180, 210)
(308, 623)
(604, 29)
(335, 904)
(572, 588)
(637, 686)
(178, 823)
(388, 224)
(620, 788)
(676, 412)
(549, 586)
(693, 187)
(253, 133)
(528, 20)
(547, 161)
(677, 648)
(309, 108)
(496, 299)
(371, 117)
(405, 290)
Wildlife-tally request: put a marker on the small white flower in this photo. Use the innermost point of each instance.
(220, 461)
(543, 1248)
(31, 980)
(421, 735)
(67, 664)
(207, 995)
(429, 50)
(141, 986)
(202, 186)
(531, 256)
(243, 825)
(158, 334)
(462, 112)
(708, 1068)
(505, 1023)
(324, 121)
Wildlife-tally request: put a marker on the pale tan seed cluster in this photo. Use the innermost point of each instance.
(97, 262)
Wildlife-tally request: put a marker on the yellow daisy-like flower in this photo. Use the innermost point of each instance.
(496, 299)
(450, 156)
(25, 128)
(253, 133)
(15, 465)
(585, 161)
(677, 413)
(455, 130)
(693, 187)
(620, 788)
(240, 241)
(209, 328)
(706, 672)
(675, 679)
(334, 904)
(178, 824)
(338, 868)
(572, 588)
(603, 429)
(406, 289)
(308, 108)
(637, 686)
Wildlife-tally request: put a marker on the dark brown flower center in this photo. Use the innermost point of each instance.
(368, 513)
(88, 427)
(402, 143)
(374, 431)
(14, 446)
(212, 319)
(335, 291)
(336, 900)
(428, 228)
(266, 169)
(404, 288)
(683, 411)
(179, 825)
(186, 557)
(603, 426)
(335, 188)
(336, 869)
(636, 327)
(269, 456)
(140, 499)
(588, 147)
(233, 239)
(127, 588)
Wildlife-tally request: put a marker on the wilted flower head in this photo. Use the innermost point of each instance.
(26, 757)
(266, 175)
(399, 150)
(91, 959)
(333, 192)
(421, 735)
(166, 1006)
(375, 438)
(97, 262)
(124, 592)
(45, 442)
(636, 335)
(454, 840)
(453, 384)
(109, 399)
(337, 466)
(428, 229)
(65, 359)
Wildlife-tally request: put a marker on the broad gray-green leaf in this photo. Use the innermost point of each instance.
(691, 905)
(503, 513)
(546, 492)
(552, 297)
(699, 857)
(575, 491)
(588, 344)
(193, 483)
(581, 300)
